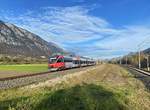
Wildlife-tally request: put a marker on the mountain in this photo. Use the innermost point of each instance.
(17, 41)
(147, 51)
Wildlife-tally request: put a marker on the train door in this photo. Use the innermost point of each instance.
(60, 63)
(68, 62)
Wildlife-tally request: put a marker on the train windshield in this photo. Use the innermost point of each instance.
(52, 60)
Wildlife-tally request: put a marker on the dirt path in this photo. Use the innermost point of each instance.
(5, 74)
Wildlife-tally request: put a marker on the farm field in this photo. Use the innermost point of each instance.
(15, 70)
(106, 87)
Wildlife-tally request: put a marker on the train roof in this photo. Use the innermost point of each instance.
(72, 57)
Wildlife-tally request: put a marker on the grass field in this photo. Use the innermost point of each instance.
(20, 69)
(24, 67)
(108, 87)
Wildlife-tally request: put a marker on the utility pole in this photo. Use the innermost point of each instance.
(120, 61)
(126, 60)
(140, 45)
(139, 59)
(147, 62)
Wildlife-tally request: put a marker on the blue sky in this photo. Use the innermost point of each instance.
(94, 28)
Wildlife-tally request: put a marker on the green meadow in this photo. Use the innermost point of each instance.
(24, 67)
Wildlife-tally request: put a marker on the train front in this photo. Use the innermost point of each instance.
(55, 63)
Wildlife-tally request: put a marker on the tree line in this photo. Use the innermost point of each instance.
(21, 60)
(133, 60)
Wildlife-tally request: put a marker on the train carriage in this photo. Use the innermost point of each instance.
(76, 62)
(60, 62)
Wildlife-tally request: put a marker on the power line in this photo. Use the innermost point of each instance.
(139, 45)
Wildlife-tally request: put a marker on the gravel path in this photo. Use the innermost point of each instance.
(38, 78)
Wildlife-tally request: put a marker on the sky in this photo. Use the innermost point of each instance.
(93, 28)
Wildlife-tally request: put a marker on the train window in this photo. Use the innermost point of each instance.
(82, 62)
(59, 60)
(68, 60)
(76, 61)
(52, 60)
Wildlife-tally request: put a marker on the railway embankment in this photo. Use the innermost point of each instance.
(26, 79)
(104, 87)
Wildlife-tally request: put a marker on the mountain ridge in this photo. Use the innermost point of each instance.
(18, 41)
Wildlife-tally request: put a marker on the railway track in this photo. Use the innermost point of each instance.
(18, 81)
(141, 71)
(142, 75)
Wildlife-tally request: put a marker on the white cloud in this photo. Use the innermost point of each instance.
(76, 30)
(128, 39)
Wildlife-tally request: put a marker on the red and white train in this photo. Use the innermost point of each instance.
(60, 62)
